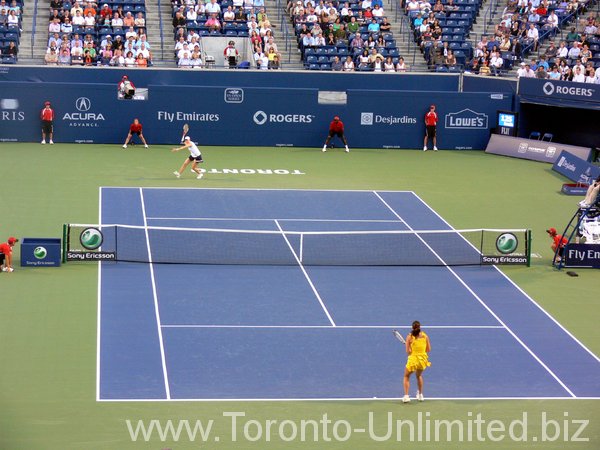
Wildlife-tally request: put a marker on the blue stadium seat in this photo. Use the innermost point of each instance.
(314, 67)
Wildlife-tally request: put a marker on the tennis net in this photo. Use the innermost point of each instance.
(260, 247)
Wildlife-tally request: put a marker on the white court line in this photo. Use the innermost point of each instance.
(341, 327)
(155, 295)
(233, 219)
(312, 286)
(99, 305)
(521, 290)
(246, 189)
(565, 387)
(339, 399)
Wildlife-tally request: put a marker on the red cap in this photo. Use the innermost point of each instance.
(124, 77)
(551, 231)
(432, 106)
(336, 118)
(47, 104)
(12, 240)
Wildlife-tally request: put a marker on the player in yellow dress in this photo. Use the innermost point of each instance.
(417, 348)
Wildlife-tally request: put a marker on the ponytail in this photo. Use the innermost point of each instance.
(416, 328)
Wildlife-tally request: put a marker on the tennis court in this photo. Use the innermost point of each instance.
(245, 332)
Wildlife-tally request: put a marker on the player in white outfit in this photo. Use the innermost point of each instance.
(195, 158)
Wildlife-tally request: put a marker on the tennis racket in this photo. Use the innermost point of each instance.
(398, 336)
(186, 128)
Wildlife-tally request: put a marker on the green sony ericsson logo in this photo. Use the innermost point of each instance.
(40, 252)
(507, 243)
(91, 238)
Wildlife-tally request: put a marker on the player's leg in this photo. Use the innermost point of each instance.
(44, 132)
(434, 140)
(419, 375)
(51, 133)
(329, 136)
(343, 138)
(196, 169)
(425, 140)
(141, 135)
(127, 139)
(406, 385)
(178, 173)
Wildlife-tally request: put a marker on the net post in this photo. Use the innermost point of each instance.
(65, 235)
(481, 247)
(528, 244)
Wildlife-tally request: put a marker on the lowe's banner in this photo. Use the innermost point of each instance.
(575, 169)
(242, 116)
(559, 93)
(396, 119)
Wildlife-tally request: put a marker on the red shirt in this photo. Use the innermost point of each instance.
(135, 128)
(560, 241)
(5, 248)
(47, 114)
(336, 126)
(431, 119)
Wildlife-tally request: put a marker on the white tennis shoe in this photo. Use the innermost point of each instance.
(177, 174)
(124, 146)
(420, 397)
(406, 399)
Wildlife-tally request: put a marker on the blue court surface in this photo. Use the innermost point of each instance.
(283, 332)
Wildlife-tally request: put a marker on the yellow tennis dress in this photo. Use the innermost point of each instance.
(418, 359)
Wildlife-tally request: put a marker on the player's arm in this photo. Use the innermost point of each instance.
(180, 148)
(409, 340)
(9, 260)
(428, 348)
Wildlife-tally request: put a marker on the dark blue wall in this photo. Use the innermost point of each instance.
(234, 78)
(263, 116)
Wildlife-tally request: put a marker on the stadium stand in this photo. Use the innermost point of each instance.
(519, 29)
(244, 30)
(328, 34)
(88, 34)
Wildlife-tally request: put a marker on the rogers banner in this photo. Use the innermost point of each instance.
(559, 93)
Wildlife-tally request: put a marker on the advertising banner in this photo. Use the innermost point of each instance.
(559, 93)
(582, 255)
(241, 116)
(532, 149)
(40, 252)
(575, 169)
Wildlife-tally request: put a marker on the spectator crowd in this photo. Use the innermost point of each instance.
(194, 20)
(84, 34)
